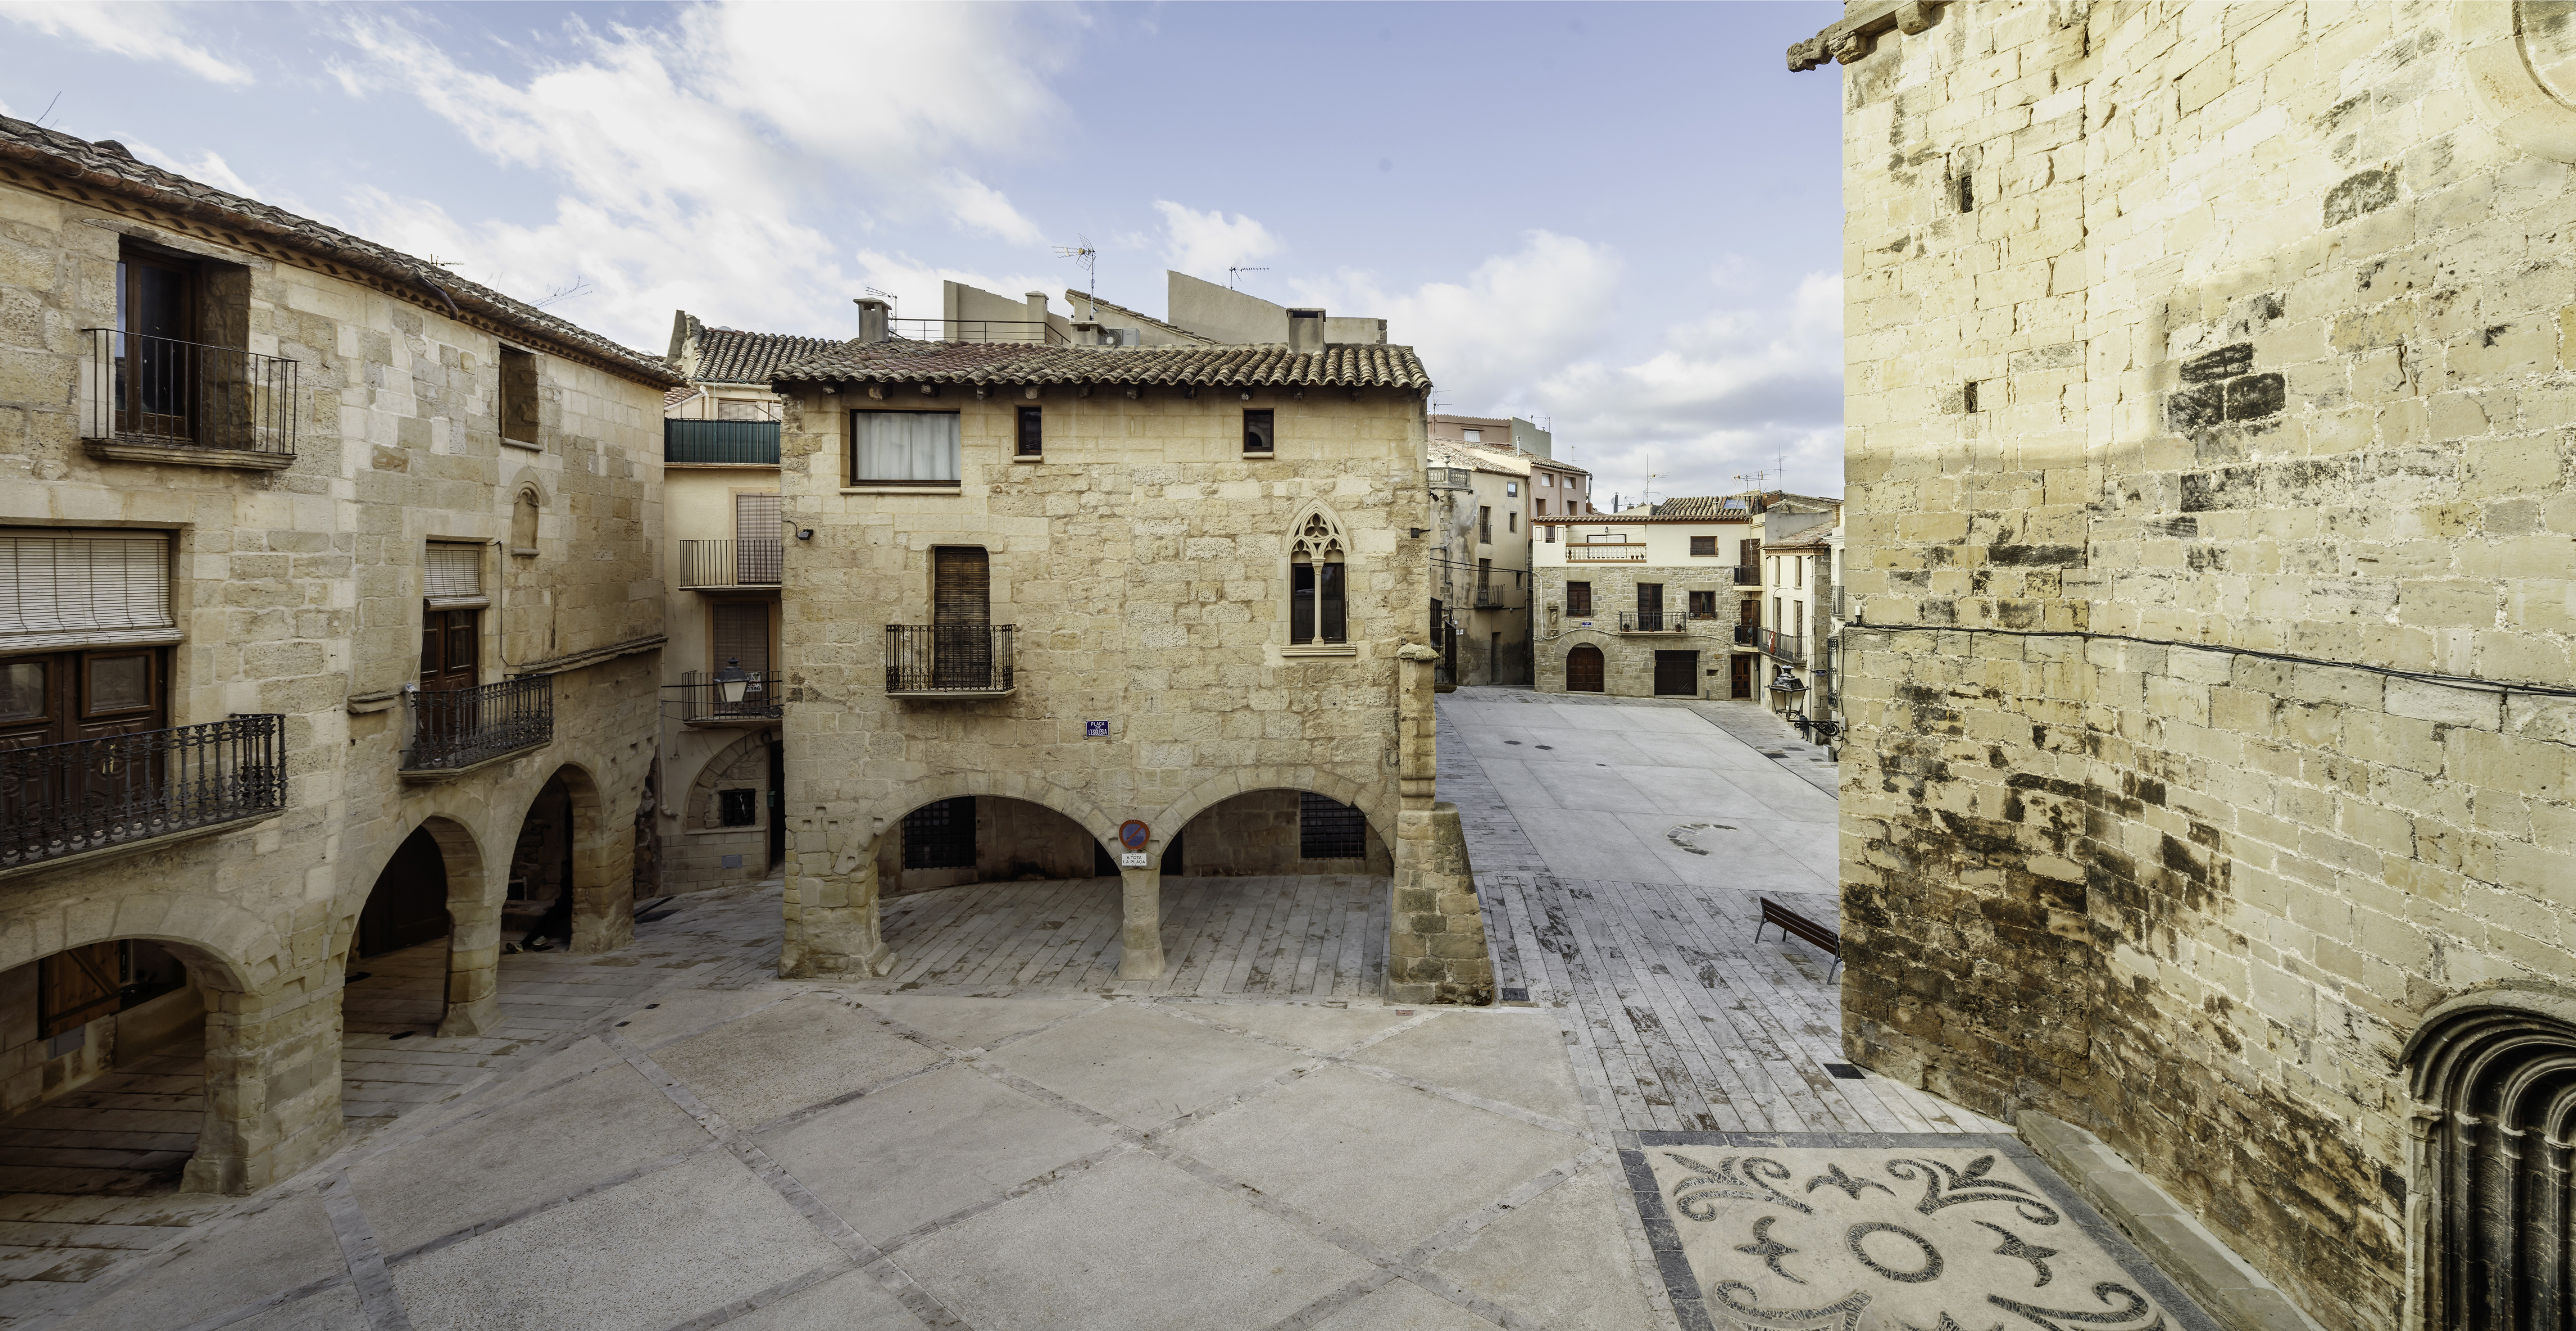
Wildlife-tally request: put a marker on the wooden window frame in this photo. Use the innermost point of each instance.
(1267, 418)
(1030, 441)
(1578, 599)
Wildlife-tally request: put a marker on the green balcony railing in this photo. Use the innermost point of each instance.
(740, 443)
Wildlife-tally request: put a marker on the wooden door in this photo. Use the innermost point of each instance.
(1650, 605)
(409, 903)
(961, 616)
(155, 361)
(1676, 674)
(450, 649)
(1583, 669)
(61, 697)
(1749, 610)
(1739, 682)
(79, 986)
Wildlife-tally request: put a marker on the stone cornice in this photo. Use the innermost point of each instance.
(1857, 35)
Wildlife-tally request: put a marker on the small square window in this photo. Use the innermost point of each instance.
(737, 808)
(1259, 434)
(1032, 437)
(1511, 489)
(1473, 436)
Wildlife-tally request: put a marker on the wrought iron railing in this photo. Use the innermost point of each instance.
(1653, 621)
(978, 330)
(454, 728)
(730, 563)
(948, 658)
(1452, 478)
(1605, 552)
(90, 794)
(735, 443)
(1781, 645)
(1748, 635)
(169, 393)
(699, 698)
(1748, 575)
(1493, 598)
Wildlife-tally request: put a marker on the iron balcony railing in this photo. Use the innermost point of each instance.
(701, 700)
(1494, 598)
(1782, 646)
(453, 728)
(1605, 552)
(174, 394)
(1653, 621)
(978, 330)
(948, 658)
(90, 794)
(730, 563)
(731, 443)
(1452, 478)
(1748, 635)
(1748, 575)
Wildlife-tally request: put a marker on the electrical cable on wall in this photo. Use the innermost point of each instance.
(2465, 682)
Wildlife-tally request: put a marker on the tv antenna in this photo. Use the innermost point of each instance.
(1756, 477)
(887, 296)
(1230, 272)
(1082, 252)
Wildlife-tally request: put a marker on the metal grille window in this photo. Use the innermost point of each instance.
(737, 808)
(1259, 432)
(84, 589)
(1032, 432)
(1704, 547)
(940, 835)
(1328, 829)
(452, 578)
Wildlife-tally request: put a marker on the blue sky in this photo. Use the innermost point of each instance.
(1624, 219)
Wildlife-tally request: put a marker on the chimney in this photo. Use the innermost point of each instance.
(1086, 333)
(872, 319)
(1305, 330)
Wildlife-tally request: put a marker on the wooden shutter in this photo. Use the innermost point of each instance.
(84, 589)
(1749, 552)
(79, 986)
(452, 576)
(1578, 598)
(755, 517)
(961, 585)
(742, 634)
(1704, 546)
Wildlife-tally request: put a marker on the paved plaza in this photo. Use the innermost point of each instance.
(1655, 1130)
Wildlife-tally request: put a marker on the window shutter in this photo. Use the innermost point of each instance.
(755, 518)
(84, 589)
(961, 585)
(452, 578)
(742, 634)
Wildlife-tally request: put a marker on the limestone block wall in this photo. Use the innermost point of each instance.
(1259, 833)
(1628, 659)
(2177, 333)
(694, 855)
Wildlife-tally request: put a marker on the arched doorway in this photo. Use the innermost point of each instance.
(408, 905)
(396, 982)
(91, 1031)
(1583, 669)
(536, 905)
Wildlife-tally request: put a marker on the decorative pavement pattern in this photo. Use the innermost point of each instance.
(1846, 1232)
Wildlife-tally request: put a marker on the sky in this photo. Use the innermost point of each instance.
(1620, 220)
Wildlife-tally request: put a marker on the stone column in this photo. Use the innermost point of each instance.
(473, 968)
(831, 900)
(1436, 951)
(272, 1084)
(603, 886)
(1140, 955)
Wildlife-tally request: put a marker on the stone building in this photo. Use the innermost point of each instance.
(1054, 592)
(720, 755)
(328, 622)
(1641, 604)
(1490, 478)
(2211, 554)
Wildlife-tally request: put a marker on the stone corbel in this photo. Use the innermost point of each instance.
(1857, 35)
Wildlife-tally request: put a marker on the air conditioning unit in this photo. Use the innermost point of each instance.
(1122, 337)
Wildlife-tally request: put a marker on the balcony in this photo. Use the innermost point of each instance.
(1605, 552)
(454, 731)
(1494, 598)
(62, 800)
(1748, 635)
(700, 701)
(158, 399)
(1653, 621)
(716, 565)
(720, 443)
(1452, 478)
(1748, 575)
(978, 330)
(1781, 647)
(948, 660)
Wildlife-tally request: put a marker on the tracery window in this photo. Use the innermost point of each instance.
(1317, 604)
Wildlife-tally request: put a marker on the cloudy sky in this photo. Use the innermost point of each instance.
(1622, 220)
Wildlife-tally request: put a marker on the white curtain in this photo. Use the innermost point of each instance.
(905, 445)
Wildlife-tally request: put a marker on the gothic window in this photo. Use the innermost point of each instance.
(523, 524)
(2494, 1081)
(1317, 605)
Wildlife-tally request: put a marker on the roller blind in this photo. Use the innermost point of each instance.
(84, 589)
(908, 446)
(755, 518)
(453, 577)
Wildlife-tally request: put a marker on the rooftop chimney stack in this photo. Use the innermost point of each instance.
(1305, 330)
(872, 319)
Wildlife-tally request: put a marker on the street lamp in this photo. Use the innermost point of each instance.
(732, 683)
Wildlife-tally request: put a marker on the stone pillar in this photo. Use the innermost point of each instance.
(1436, 951)
(272, 1084)
(1140, 955)
(473, 968)
(603, 885)
(830, 902)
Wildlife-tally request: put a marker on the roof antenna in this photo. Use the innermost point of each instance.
(1082, 252)
(1230, 272)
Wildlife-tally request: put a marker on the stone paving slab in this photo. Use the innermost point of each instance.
(1884, 1230)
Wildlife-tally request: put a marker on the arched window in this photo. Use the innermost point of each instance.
(523, 524)
(1318, 608)
(2494, 1079)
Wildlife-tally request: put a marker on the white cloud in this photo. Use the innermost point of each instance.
(210, 168)
(916, 285)
(1206, 244)
(136, 29)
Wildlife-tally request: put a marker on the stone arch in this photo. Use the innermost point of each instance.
(2489, 1146)
(471, 1002)
(891, 809)
(1586, 669)
(1365, 797)
(602, 888)
(702, 781)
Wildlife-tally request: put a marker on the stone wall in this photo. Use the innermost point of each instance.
(2180, 333)
(1258, 832)
(695, 854)
(1628, 659)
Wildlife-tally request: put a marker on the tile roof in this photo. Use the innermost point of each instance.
(1702, 506)
(1248, 365)
(672, 397)
(1450, 453)
(1078, 299)
(1593, 519)
(108, 168)
(732, 356)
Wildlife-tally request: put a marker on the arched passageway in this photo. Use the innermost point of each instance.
(397, 979)
(105, 1093)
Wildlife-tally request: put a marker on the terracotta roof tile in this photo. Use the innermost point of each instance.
(732, 356)
(109, 169)
(1252, 365)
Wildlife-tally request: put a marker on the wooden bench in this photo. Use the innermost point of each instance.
(1793, 924)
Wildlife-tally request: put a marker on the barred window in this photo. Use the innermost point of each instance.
(940, 835)
(1328, 829)
(737, 808)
